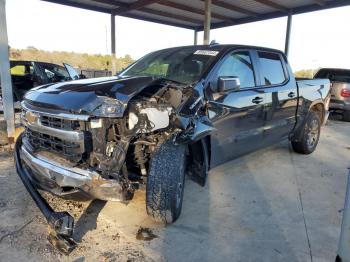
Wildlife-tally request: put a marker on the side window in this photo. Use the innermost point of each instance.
(18, 70)
(238, 64)
(271, 68)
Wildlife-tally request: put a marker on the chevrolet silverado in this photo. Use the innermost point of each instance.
(175, 112)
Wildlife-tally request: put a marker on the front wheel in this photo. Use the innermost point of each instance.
(165, 183)
(310, 135)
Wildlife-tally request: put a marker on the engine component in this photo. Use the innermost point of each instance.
(156, 118)
(140, 158)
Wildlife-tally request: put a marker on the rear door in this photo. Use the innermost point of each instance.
(281, 95)
(236, 115)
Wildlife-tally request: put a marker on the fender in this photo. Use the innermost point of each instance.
(199, 128)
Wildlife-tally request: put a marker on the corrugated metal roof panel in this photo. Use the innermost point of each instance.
(189, 14)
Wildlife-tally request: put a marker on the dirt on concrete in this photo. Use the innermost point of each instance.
(271, 205)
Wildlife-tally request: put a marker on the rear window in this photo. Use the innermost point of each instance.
(334, 75)
(271, 68)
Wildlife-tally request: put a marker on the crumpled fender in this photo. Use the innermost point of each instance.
(196, 130)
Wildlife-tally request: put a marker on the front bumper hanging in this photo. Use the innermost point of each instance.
(61, 223)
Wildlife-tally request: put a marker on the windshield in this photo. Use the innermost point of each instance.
(184, 65)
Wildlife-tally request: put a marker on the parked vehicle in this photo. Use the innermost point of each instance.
(340, 89)
(176, 111)
(28, 74)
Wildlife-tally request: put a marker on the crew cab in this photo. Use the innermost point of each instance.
(340, 89)
(28, 74)
(175, 112)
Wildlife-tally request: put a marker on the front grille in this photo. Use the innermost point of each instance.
(59, 123)
(53, 144)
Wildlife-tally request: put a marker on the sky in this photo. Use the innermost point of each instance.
(318, 39)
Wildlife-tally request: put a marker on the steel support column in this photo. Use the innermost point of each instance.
(195, 39)
(6, 84)
(343, 246)
(207, 22)
(288, 32)
(114, 62)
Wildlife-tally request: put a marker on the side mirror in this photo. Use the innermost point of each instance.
(228, 83)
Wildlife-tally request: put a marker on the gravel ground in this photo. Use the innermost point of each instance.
(271, 205)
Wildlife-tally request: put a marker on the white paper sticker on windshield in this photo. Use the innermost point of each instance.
(206, 52)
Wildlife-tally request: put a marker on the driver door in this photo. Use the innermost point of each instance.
(237, 115)
(71, 71)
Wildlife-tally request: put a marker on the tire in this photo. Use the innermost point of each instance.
(165, 183)
(346, 116)
(310, 135)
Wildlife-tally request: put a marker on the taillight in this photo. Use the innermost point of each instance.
(345, 93)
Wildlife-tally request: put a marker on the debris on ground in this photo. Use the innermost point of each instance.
(145, 234)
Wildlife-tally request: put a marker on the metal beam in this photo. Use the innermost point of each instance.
(195, 40)
(158, 21)
(343, 245)
(113, 3)
(207, 22)
(272, 4)
(288, 32)
(232, 7)
(170, 15)
(114, 62)
(6, 82)
(192, 9)
(135, 6)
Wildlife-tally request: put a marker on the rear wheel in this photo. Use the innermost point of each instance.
(346, 116)
(165, 183)
(310, 135)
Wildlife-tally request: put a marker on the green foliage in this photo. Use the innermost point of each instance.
(78, 60)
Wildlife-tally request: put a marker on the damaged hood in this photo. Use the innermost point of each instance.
(84, 96)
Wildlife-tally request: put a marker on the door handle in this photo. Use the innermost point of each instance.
(257, 100)
(291, 94)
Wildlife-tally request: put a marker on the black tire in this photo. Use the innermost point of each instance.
(346, 116)
(310, 135)
(165, 183)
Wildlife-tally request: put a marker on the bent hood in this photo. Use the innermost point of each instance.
(84, 96)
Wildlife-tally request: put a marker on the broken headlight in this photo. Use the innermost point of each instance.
(109, 108)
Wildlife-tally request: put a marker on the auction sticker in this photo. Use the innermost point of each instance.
(206, 52)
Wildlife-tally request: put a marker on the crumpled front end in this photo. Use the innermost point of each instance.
(55, 150)
(106, 153)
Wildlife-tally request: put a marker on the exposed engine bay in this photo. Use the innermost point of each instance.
(122, 148)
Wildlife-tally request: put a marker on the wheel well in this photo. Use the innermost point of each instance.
(319, 110)
(199, 160)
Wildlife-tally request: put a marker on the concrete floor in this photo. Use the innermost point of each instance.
(271, 205)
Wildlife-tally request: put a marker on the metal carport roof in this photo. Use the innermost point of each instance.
(189, 14)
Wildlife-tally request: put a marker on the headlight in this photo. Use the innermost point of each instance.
(109, 108)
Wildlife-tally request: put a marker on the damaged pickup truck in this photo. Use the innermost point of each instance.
(175, 112)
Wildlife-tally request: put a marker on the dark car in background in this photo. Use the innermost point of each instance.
(340, 89)
(28, 74)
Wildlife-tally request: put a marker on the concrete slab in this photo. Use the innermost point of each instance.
(272, 205)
